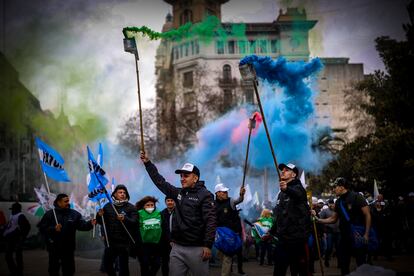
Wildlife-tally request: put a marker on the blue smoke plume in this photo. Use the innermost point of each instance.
(288, 103)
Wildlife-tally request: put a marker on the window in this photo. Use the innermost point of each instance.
(227, 72)
(231, 46)
(249, 95)
(273, 46)
(186, 16)
(192, 48)
(197, 47)
(188, 79)
(220, 47)
(263, 46)
(181, 51)
(242, 47)
(190, 103)
(186, 49)
(227, 99)
(252, 45)
(175, 50)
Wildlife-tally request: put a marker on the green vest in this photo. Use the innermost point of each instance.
(150, 226)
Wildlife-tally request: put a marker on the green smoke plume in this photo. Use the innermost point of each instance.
(206, 30)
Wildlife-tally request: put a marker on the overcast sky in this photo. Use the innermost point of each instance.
(70, 53)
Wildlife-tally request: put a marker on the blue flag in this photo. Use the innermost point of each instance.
(97, 179)
(51, 161)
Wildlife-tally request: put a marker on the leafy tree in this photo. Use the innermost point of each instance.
(386, 153)
(129, 136)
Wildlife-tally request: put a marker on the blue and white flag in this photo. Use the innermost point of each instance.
(96, 178)
(51, 161)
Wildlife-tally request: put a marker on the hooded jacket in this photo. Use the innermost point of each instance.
(194, 215)
(117, 236)
(292, 214)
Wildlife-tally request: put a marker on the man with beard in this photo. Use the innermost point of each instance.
(61, 237)
(120, 219)
(292, 225)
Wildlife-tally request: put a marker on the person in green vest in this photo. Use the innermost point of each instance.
(149, 236)
(265, 222)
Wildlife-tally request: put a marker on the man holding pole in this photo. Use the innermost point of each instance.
(292, 225)
(193, 222)
(120, 219)
(61, 237)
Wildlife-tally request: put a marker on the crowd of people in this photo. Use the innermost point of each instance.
(295, 234)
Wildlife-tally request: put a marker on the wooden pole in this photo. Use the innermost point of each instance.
(265, 126)
(139, 103)
(309, 193)
(252, 125)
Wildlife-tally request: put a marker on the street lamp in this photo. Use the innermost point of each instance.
(248, 73)
(130, 46)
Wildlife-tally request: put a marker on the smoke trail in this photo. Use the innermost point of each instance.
(288, 104)
(206, 31)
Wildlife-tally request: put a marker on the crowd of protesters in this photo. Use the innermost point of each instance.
(181, 238)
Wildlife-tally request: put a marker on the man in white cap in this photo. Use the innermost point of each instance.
(228, 216)
(193, 221)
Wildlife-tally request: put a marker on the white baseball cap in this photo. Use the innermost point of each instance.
(321, 201)
(220, 188)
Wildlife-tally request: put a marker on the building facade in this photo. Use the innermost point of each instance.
(197, 82)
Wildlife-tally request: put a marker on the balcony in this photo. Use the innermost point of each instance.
(227, 82)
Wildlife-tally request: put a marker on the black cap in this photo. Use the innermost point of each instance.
(341, 181)
(121, 187)
(331, 201)
(289, 166)
(189, 168)
(168, 197)
(16, 207)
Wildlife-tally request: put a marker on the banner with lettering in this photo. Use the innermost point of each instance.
(52, 162)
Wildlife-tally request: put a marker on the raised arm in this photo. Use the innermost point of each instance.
(159, 181)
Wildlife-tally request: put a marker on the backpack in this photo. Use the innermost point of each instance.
(227, 241)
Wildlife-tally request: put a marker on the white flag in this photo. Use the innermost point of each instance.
(302, 179)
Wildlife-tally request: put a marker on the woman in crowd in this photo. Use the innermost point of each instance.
(149, 235)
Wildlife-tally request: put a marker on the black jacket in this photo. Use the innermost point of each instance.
(194, 216)
(117, 236)
(292, 214)
(165, 225)
(70, 220)
(227, 216)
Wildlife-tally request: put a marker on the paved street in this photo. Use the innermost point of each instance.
(36, 265)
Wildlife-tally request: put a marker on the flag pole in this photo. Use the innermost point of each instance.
(94, 226)
(116, 211)
(252, 125)
(129, 234)
(309, 194)
(130, 46)
(48, 189)
(249, 74)
(103, 224)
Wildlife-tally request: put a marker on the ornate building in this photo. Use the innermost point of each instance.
(197, 82)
